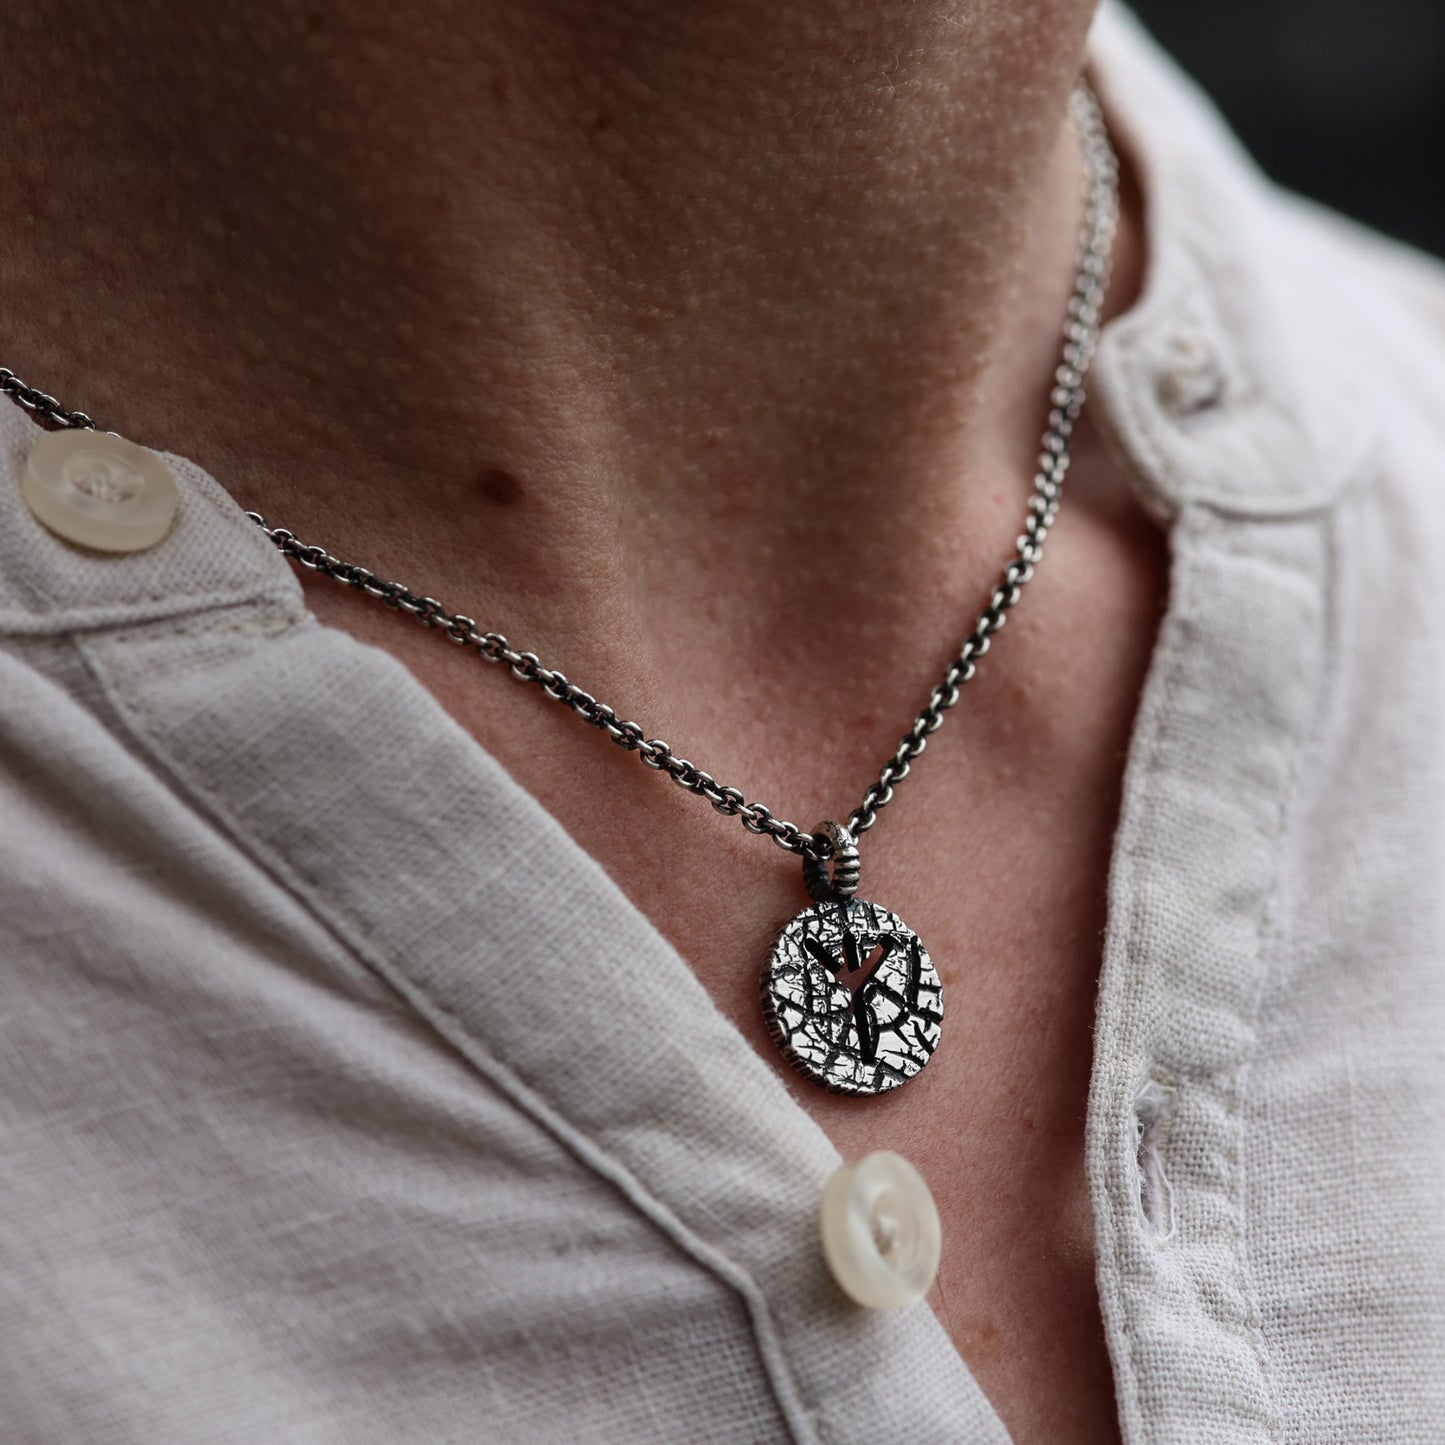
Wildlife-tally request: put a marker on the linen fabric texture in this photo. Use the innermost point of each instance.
(308, 1131)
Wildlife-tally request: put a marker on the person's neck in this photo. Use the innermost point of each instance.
(623, 294)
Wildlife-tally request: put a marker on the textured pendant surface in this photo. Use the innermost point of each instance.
(852, 998)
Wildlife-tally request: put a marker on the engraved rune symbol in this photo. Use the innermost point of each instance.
(855, 970)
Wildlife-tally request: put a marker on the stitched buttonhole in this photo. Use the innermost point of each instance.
(1153, 1110)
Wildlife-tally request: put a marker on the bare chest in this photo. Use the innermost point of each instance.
(996, 1121)
(996, 1124)
(1001, 864)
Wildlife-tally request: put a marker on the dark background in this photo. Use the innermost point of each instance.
(1341, 99)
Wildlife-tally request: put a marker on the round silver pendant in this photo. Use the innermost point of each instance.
(852, 998)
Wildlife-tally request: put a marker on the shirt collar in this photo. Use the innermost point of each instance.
(1228, 384)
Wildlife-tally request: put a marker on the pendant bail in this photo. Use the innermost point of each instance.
(835, 875)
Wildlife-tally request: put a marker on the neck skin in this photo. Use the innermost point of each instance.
(563, 312)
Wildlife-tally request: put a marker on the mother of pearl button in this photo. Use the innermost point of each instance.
(100, 490)
(881, 1234)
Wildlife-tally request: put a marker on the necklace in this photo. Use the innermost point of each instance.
(849, 992)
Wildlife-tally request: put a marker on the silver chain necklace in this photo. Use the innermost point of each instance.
(849, 992)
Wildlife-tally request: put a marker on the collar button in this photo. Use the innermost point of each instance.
(99, 490)
(1191, 379)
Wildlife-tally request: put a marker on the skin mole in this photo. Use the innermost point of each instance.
(497, 485)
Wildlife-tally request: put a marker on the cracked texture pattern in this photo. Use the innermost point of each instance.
(852, 998)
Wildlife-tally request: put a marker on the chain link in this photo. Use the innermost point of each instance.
(1066, 401)
(42, 404)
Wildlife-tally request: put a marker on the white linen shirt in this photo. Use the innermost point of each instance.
(314, 1124)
